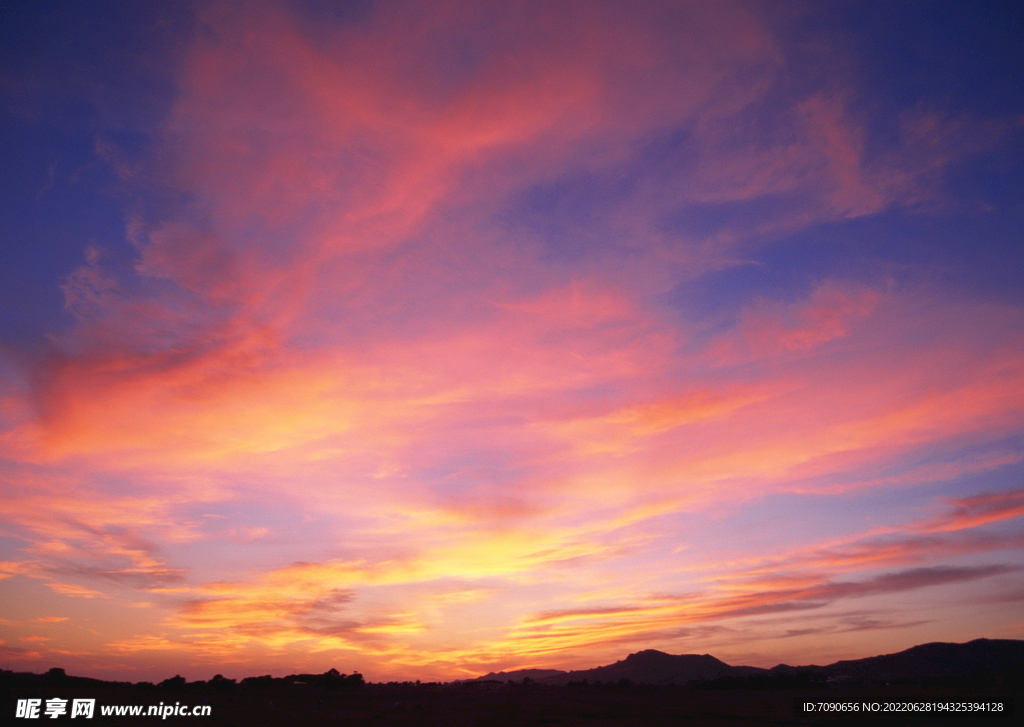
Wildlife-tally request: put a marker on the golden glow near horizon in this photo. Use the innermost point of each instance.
(462, 337)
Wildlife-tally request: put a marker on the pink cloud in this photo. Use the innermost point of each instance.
(971, 512)
(768, 329)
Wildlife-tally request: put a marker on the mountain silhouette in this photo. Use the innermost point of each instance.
(926, 661)
(643, 667)
(652, 667)
(934, 660)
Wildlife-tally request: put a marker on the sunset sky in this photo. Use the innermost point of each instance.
(427, 339)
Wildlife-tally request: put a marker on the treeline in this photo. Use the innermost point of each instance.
(786, 678)
(331, 679)
(791, 678)
(799, 680)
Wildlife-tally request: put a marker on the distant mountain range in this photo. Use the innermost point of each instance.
(927, 661)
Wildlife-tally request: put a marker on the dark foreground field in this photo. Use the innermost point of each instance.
(452, 705)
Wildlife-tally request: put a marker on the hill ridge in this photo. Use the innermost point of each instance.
(935, 659)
